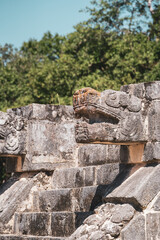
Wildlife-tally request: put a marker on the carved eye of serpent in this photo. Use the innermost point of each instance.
(113, 96)
(11, 142)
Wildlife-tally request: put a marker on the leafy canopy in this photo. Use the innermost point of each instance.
(118, 45)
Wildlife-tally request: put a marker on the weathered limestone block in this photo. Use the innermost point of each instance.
(9, 237)
(83, 199)
(97, 235)
(11, 197)
(40, 238)
(96, 154)
(57, 224)
(149, 90)
(17, 237)
(51, 141)
(12, 134)
(123, 213)
(68, 178)
(41, 137)
(156, 203)
(106, 223)
(87, 198)
(112, 116)
(137, 90)
(152, 90)
(62, 224)
(55, 200)
(135, 229)
(128, 117)
(107, 173)
(16, 196)
(85, 176)
(154, 121)
(152, 226)
(32, 224)
(139, 189)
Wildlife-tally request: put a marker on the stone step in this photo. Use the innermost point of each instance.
(55, 224)
(85, 176)
(29, 237)
(139, 189)
(98, 154)
(12, 193)
(75, 200)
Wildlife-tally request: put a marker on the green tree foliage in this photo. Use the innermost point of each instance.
(118, 45)
(122, 15)
(113, 48)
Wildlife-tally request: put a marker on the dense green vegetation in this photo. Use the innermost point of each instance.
(118, 45)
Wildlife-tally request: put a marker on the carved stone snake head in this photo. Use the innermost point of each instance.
(109, 116)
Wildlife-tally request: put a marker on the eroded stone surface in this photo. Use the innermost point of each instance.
(96, 154)
(42, 137)
(32, 224)
(62, 224)
(139, 189)
(112, 116)
(16, 195)
(152, 226)
(85, 176)
(135, 229)
(130, 116)
(106, 223)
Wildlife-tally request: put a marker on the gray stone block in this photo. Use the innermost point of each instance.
(32, 224)
(85, 176)
(110, 229)
(89, 176)
(139, 189)
(15, 237)
(55, 200)
(35, 111)
(97, 154)
(156, 204)
(137, 90)
(135, 229)
(154, 121)
(41, 238)
(97, 235)
(87, 198)
(62, 224)
(152, 226)
(107, 173)
(51, 144)
(122, 213)
(152, 90)
(43, 134)
(16, 191)
(75, 200)
(151, 151)
(10, 237)
(68, 178)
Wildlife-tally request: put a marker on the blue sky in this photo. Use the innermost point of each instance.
(21, 20)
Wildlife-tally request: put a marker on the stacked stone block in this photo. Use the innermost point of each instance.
(66, 190)
(66, 198)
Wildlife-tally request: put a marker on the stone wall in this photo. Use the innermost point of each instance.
(85, 172)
